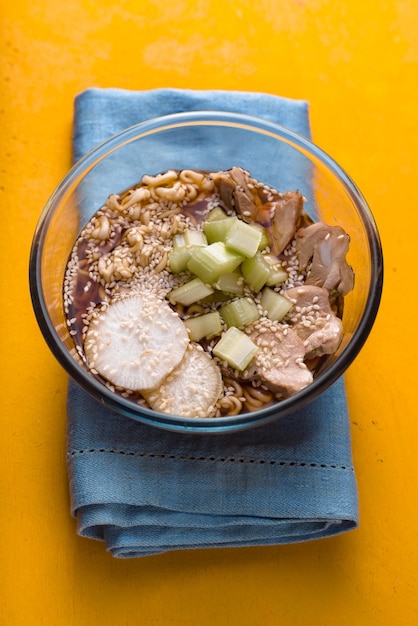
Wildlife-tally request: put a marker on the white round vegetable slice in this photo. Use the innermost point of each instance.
(136, 341)
(192, 389)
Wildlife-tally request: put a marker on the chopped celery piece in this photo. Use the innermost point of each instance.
(243, 238)
(236, 348)
(206, 325)
(178, 241)
(275, 305)
(214, 214)
(265, 239)
(240, 312)
(255, 271)
(277, 275)
(183, 247)
(178, 259)
(231, 282)
(195, 238)
(218, 229)
(191, 291)
(215, 297)
(210, 262)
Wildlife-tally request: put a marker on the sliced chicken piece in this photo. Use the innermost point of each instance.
(245, 206)
(279, 361)
(280, 216)
(314, 321)
(234, 191)
(326, 248)
(225, 187)
(285, 215)
(241, 179)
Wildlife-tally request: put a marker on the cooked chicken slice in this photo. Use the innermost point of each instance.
(326, 248)
(225, 187)
(279, 216)
(245, 206)
(313, 320)
(241, 179)
(279, 360)
(285, 215)
(234, 191)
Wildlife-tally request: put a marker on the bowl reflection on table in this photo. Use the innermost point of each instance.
(208, 141)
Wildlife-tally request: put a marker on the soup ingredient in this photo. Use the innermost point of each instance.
(286, 212)
(231, 283)
(278, 362)
(191, 291)
(279, 216)
(243, 238)
(234, 191)
(206, 325)
(136, 341)
(256, 271)
(210, 262)
(325, 247)
(314, 321)
(193, 387)
(216, 227)
(236, 348)
(277, 274)
(183, 246)
(240, 312)
(276, 305)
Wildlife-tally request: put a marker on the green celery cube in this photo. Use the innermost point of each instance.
(243, 238)
(210, 262)
(236, 348)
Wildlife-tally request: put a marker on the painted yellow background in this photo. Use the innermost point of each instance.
(356, 61)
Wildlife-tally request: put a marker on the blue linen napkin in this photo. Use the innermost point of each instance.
(143, 490)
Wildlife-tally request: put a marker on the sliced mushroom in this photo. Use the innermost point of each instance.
(279, 360)
(326, 248)
(314, 321)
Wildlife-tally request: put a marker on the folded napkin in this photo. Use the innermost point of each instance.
(143, 490)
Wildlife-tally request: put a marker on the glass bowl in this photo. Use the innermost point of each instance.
(208, 141)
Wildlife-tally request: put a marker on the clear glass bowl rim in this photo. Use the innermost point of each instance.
(218, 424)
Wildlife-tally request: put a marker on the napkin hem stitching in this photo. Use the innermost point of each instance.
(219, 459)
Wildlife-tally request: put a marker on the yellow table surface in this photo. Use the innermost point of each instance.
(357, 64)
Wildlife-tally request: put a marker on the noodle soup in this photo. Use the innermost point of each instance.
(205, 294)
